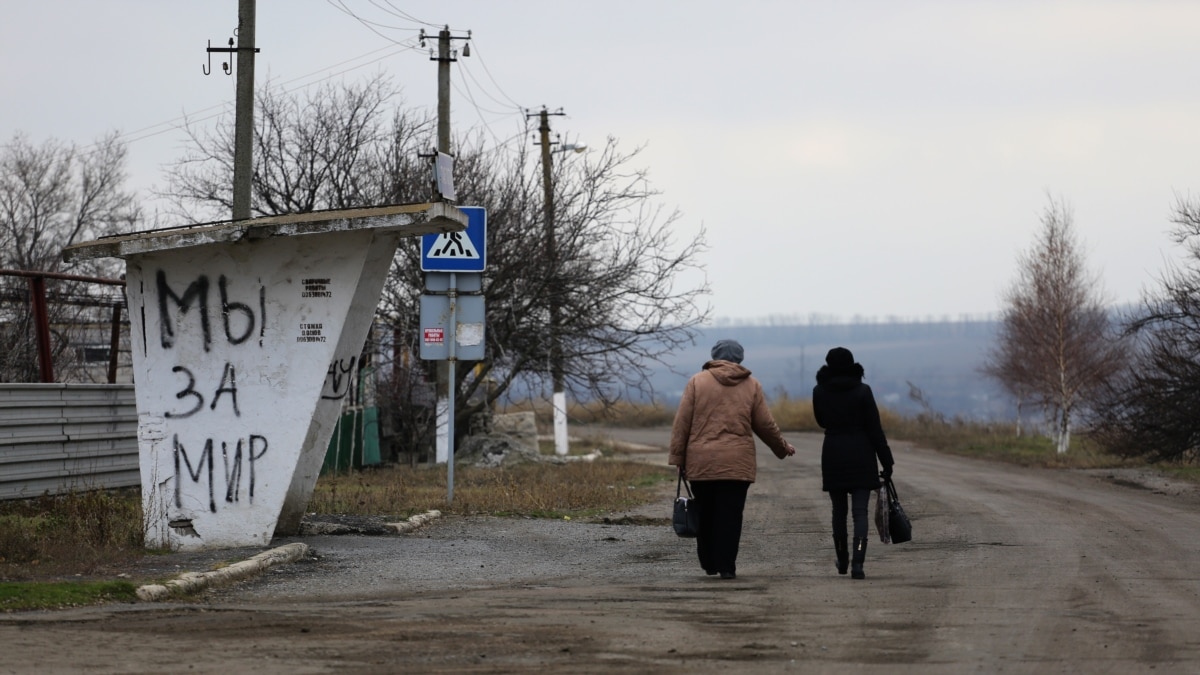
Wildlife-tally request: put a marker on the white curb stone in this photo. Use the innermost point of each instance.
(414, 522)
(191, 582)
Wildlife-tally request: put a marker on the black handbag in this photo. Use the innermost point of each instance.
(686, 518)
(899, 527)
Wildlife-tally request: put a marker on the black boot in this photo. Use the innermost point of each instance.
(843, 552)
(860, 555)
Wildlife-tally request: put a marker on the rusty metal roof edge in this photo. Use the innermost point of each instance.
(439, 217)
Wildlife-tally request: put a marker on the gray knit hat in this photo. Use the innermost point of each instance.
(728, 350)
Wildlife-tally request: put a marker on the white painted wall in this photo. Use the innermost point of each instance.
(241, 353)
(339, 377)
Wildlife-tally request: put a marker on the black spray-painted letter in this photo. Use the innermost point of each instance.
(198, 291)
(190, 390)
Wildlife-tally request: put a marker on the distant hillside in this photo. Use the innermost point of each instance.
(940, 358)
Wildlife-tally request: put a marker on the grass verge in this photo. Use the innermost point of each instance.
(17, 596)
(573, 490)
(1000, 443)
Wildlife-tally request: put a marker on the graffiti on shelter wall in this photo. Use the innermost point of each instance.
(241, 376)
(224, 469)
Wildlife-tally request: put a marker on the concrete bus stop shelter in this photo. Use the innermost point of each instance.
(234, 329)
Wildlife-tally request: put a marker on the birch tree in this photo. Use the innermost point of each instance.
(1056, 343)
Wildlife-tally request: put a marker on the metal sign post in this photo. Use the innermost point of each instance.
(453, 337)
(452, 308)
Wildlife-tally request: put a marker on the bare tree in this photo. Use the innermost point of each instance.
(615, 275)
(53, 195)
(1005, 364)
(339, 147)
(614, 278)
(1152, 409)
(56, 194)
(1056, 342)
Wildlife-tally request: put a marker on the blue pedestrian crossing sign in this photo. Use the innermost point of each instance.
(464, 251)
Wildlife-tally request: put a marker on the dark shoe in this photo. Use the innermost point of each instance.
(709, 572)
(728, 575)
(860, 556)
(843, 553)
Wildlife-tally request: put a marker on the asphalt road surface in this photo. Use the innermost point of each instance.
(1010, 571)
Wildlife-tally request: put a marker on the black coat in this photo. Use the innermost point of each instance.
(845, 407)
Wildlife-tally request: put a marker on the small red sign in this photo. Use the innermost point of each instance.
(435, 336)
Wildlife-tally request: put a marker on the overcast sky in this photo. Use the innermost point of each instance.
(853, 158)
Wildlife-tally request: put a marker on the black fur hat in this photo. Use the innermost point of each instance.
(839, 358)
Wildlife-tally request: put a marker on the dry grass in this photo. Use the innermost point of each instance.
(793, 414)
(1180, 471)
(575, 489)
(1000, 442)
(620, 414)
(75, 533)
(992, 441)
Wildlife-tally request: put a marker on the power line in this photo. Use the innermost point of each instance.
(394, 48)
(370, 25)
(512, 108)
(397, 12)
(220, 108)
(483, 120)
(487, 70)
(394, 11)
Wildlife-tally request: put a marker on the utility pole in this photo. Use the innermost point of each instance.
(243, 131)
(444, 60)
(559, 399)
(444, 425)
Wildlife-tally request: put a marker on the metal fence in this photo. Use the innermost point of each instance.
(60, 437)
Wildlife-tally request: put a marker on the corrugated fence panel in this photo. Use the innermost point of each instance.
(60, 437)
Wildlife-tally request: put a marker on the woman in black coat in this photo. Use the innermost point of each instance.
(845, 407)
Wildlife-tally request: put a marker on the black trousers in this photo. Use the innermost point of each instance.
(721, 505)
(859, 499)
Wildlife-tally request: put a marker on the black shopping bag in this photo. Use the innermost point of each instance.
(899, 527)
(686, 517)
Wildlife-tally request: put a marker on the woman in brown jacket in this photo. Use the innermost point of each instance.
(712, 443)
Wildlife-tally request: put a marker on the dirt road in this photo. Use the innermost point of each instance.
(1010, 571)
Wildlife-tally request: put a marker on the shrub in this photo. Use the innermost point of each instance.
(75, 532)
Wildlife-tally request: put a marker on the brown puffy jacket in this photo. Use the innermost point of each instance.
(721, 408)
